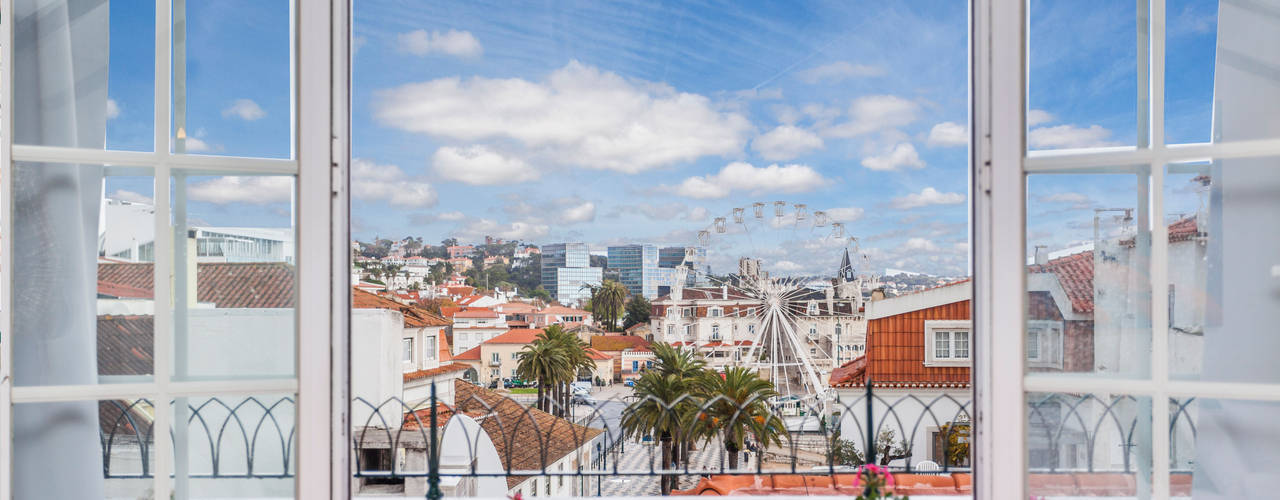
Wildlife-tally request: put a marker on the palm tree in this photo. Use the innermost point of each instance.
(736, 406)
(662, 410)
(607, 302)
(553, 359)
(687, 366)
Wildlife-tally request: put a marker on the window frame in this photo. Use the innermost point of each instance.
(933, 329)
(1000, 164)
(319, 81)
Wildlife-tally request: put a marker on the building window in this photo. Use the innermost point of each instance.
(635, 366)
(837, 329)
(671, 330)
(495, 357)
(948, 341)
(429, 349)
(715, 332)
(408, 350)
(812, 309)
(1044, 344)
(751, 329)
(715, 312)
(515, 355)
(513, 373)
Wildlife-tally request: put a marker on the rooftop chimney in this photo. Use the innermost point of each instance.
(1042, 255)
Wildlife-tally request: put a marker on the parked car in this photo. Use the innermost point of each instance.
(583, 399)
(631, 382)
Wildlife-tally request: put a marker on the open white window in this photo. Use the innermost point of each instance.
(173, 219)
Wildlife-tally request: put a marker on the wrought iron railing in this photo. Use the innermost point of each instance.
(397, 442)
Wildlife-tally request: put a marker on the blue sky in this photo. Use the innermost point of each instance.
(612, 121)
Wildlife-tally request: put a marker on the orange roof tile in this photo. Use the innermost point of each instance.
(439, 370)
(617, 342)
(516, 336)
(597, 355)
(1075, 272)
(895, 352)
(475, 313)
(226, 285)
(414, 317)
(472, 354)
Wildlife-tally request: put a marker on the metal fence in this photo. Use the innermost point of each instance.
(462, 434)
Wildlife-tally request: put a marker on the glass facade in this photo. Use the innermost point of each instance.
(639, 271)
(672, 257)
(566, 268)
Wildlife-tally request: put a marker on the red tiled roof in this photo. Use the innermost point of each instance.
(125, 345)
(597, 355)
(431, 372)
(1075, 272)
(513, 427)
(472, 354)
(414, 317)
(116, 290)
(516, 336)
(226, 285)
(475, 313)
(617, 342)
(895, 352)
(561, 311)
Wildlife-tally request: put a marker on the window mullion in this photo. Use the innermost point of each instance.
(6, 248)
(162, 348)
(1159, 262)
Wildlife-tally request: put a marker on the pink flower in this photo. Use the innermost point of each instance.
(888, 478)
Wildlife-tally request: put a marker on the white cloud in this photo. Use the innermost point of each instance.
(786, 142)
(453, 43)
(948, 134)
(131, 196)
(875, 112)
(920, 244)
(838, 71)
(927, 196)
(113, 109)
(387, 183)
(479, 228)
(252, 190)
(1065, 198)
(698, 214)
(197, 145)
(1037, 117)
(244, 109)
(902, 155)
(1070, 137)
(451, 216)
(480, 166)
(844, 214)
(583, 212)
(745, 177)
(578, 115)
(785, 266)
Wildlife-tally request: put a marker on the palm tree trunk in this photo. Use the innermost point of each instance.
(667, 460)
(731, 445)
(542, 403)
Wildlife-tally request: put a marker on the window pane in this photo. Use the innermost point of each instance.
(84, 449)
(84, 77)
(236, 446)
(84, 301)
(1191, 35)
(234, 271)
(232, 80)
(1088, 445)
(1222, 269)
(1216, 447)
(942, 344)
(962, 344)
(1088, 256)
(1082, 75)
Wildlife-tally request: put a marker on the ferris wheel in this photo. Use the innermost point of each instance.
(795, 316)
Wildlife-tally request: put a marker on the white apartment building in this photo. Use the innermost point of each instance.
(472, 327)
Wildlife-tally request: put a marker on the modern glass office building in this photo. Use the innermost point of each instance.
(672, 257)
(566, 268)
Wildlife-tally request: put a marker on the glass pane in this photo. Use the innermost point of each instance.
(84, 74)
(1223, 269)
(1088, 254)
(1082, 75)
(84, 449)
(84, 303)
(1088, 445)
(235, 446)
(232, 78)
(1191, 33)
(234, 276)
(1219, 448)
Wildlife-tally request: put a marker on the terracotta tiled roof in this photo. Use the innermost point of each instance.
(475, 313)
(616, 342)
(527, 439)
(227, 285)
(597, 355)
(442, 341)
(125, 345)
(1075, 272)
(414, 317)
(954, 484)
(895, 352)
(515, 308)
(516, 336)
(562, 310)
(1183, 229)
(116, 290)
(440, 370)
(472, 354)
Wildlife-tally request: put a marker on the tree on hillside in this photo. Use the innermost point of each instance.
(449, 242)
(638, 311)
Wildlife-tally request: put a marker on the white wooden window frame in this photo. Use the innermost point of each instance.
(1000, 165)
(931, 330)
(1041, 330)
(320, 86)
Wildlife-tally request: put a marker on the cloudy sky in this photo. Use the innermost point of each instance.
(612, 121)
